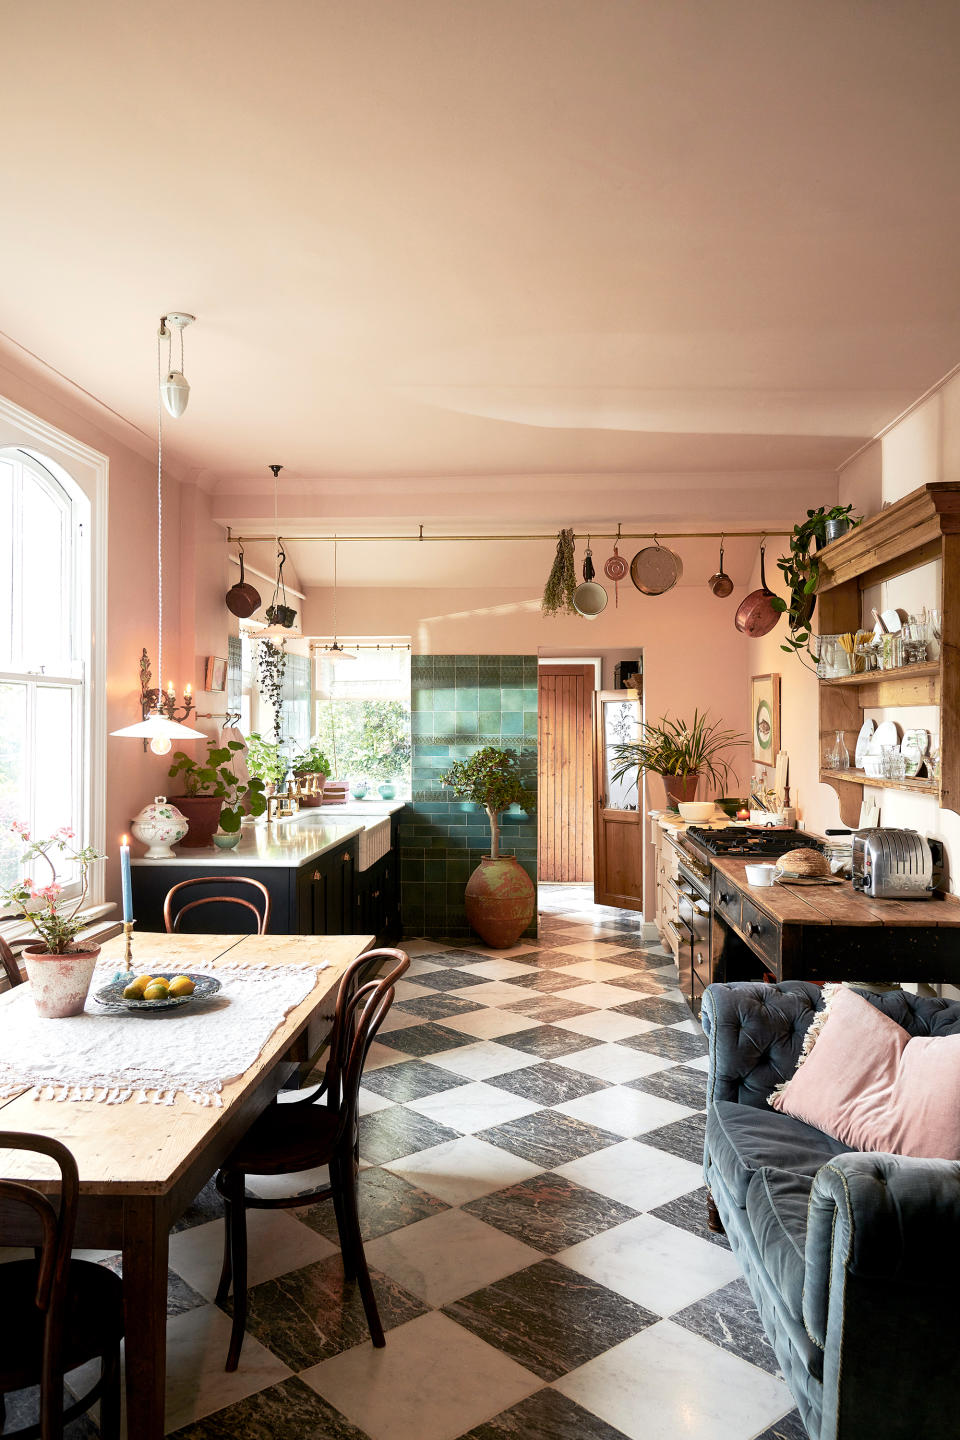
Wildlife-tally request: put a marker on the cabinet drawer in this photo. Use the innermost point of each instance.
(726, 899)
(762, 933)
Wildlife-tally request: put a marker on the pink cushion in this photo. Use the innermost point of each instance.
(867, 1082)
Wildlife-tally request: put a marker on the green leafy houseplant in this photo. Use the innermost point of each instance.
(491, 778)
(674, 748)
(264, 759)
(40, 904)
(801, 571)
(311, 761)
(215, 779)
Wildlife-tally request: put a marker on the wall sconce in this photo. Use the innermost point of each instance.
(162, 714)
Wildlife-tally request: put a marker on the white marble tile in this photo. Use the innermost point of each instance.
(635, 1174)
(495, 992)
(667, 1382)
(596, 970)
(592, 950)
(488, 1024)
(422, 967)
(433, 1381)
(276, 1240)
(702, 1062)
(689, 1027)
(370, 1102)
(379, 1055)
(624, 1111)
(655, 1264)
(424, 947)
(448, 1256)
(510, 952)
(272, 1187)
(398, 1020)
(485, 1058)
(617, 1063)
(410, 990)
(603, 997)
(500, 969)
(604, 1025)
(473, 1107)
(462, 1170)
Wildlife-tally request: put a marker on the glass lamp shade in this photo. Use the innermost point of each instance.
(335, 654)
(175, 391)
(160, 731)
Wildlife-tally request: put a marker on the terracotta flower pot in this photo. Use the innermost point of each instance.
(60, 982)
(500, 900)
(680, 787)
(202, 813)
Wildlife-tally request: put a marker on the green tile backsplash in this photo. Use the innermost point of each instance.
(460, 703)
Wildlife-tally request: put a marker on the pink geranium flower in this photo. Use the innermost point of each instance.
(21, 828)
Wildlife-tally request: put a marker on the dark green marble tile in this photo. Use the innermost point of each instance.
(385, 1202)
(549, 1138)
(549, 1212)
(547, 1415)
(409, 1079)
(392, 1134)
(548, 1084)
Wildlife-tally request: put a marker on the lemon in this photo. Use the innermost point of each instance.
(156, 990)
(134, 991)
(181, 985)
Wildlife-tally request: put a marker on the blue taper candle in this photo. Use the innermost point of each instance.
(125, 879)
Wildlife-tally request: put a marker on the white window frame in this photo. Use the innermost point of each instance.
(78, 467)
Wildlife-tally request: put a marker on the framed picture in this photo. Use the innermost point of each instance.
(765, 715)
(215, 673)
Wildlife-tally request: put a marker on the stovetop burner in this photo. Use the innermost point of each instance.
(746, 840)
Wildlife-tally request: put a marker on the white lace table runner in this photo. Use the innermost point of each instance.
(193, 1050)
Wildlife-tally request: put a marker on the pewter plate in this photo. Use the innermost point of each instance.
(111, 996)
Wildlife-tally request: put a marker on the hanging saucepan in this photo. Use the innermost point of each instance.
(241, 598)
(720, 583)
(756, 616)
(589, 598)
(655, 570)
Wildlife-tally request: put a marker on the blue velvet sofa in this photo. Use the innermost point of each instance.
(852, 1258)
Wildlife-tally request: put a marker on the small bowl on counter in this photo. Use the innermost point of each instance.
(696, 811)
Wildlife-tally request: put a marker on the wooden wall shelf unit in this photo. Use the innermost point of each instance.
(923, 526)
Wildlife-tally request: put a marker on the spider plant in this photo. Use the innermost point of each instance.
(672, 747)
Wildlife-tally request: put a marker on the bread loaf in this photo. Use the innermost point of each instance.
(803, 864)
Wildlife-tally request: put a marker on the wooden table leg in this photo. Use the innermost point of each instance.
(145, 1254)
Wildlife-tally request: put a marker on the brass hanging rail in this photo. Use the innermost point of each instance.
(546, 535)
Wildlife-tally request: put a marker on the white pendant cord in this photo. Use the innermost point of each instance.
(334, 589)
(160, 522)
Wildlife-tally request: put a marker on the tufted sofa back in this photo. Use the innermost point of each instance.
(756, 1031)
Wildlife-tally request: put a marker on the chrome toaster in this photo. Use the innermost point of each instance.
(896, 864)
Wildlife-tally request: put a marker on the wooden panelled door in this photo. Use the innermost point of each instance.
(617, 821)
(564, 772)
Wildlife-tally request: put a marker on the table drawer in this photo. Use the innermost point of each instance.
(726, 900)
(762, 933)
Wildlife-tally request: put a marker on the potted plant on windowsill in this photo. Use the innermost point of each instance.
(500, 895)
(213, 795)
(680, 754)
(58, 968)
(311, 769)
(265, 762)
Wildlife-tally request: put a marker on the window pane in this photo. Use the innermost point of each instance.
(55, 768)
(46, 618)
(13, 774)
(6, 564)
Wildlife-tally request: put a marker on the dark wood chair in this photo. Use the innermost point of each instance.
(172, 920)
(9, 962)
(57, 1312)
(320, 1129)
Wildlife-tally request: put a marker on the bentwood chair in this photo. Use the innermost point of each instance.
(55, 1312)
(9, 963)
(320, 1129)
(174, 908)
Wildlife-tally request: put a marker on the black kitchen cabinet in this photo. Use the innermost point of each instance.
(377, 900)
(318, 898)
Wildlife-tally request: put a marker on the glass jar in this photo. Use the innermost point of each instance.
(838, 756)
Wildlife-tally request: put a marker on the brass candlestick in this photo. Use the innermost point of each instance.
(128, 943)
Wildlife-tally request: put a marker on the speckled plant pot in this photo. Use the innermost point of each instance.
(500, 899)
(60, 982)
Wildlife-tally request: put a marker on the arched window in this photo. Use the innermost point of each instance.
(44, 640)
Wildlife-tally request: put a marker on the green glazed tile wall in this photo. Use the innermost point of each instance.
(460, 703)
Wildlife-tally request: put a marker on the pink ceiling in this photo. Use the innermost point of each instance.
(502, 238)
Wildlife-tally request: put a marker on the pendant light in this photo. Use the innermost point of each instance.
(335, 652)
(175, 389)
(158, 728)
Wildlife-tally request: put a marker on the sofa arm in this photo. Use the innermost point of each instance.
(881, 1277)
(755, 1033)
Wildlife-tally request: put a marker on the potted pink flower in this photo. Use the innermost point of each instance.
(59, 969)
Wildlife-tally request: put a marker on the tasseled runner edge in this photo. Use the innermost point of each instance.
(112, 1093)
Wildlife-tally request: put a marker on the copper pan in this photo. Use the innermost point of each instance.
(756, 615)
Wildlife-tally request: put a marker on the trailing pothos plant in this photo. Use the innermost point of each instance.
(271, 673)
(215, 779)
(491, 778)
(801, 571)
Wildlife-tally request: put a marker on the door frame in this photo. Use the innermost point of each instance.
(589, 669)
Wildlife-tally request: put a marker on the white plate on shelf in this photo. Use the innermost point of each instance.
(886, 733)
(892, 620)
(864, 742)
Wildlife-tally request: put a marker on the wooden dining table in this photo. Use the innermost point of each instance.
(139, 1173)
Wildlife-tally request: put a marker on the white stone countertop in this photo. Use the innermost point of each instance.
(291, 841)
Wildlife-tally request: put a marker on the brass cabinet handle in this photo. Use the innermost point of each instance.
(345, 856)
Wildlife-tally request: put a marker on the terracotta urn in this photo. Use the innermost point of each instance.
(500, 901)
(202, 814)
(680, 787)
(60, 982)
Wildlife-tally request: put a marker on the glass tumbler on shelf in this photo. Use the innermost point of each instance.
(838, 756)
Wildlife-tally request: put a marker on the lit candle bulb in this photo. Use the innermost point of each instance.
(170, 689)
(188, 691)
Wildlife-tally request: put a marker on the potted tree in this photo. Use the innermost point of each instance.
(213, 795)
(680, 754)
(59, 970)
(500, 895)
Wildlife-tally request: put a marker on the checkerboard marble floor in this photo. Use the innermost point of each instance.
(534, 1215)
